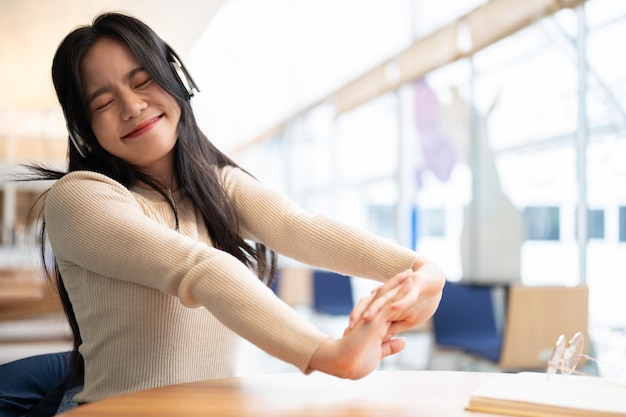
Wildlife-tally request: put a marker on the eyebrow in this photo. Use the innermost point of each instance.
(103, 90)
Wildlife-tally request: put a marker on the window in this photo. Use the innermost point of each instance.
(622, 224)
(432, 222)
(542, 223)
(595, 224)
(382, 220)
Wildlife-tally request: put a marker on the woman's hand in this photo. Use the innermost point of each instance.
(361, 348)
(414, 295)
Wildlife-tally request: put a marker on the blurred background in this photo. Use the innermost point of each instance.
(488, 135)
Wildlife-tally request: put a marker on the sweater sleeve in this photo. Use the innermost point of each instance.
(317, 240)
(94, 224)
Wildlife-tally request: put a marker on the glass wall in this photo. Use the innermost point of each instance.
(504, 166)
(606, 159)
(526, 95)
(519, 122)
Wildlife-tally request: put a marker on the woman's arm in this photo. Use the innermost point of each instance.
(273, 219)
(322, 242)
(97, 229)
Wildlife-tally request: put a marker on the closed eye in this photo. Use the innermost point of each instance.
(144, 83)
(103, 106)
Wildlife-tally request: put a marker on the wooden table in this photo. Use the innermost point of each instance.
(26, 293)
(381, 394)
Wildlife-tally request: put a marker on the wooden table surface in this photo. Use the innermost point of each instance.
(381, 394)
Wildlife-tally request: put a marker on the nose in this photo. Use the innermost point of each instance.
(132, 104)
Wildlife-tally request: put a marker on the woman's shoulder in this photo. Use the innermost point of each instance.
(231, 176)
(85, 178)
(82, 183)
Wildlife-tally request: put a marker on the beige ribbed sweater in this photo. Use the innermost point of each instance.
(156, 306)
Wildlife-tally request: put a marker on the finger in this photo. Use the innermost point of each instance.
(394, 281)
(398, 327)
(390, 335)
(382, 299)
(393, 346)
(385, 293)
(390, 297)
(407, 295)
(358, 310)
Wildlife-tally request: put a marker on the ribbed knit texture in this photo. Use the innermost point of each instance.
(158, 306)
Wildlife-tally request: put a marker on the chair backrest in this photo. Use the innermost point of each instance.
(535, 318)
(332, 293)
(294, 286)
(36, 381)
(468, 318)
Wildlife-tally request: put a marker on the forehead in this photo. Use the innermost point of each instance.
(107, 61)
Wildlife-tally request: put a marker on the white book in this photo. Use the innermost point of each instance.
(532, 394)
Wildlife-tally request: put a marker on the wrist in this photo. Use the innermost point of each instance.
(330, 358)
(323, 356)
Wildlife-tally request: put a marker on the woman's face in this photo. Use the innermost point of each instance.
(132, 117)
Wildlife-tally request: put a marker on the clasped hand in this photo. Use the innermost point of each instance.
(412, 297)
(403, 302)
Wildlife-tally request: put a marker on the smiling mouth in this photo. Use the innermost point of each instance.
(142, 128)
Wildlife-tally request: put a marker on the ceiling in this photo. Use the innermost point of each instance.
(30, 31)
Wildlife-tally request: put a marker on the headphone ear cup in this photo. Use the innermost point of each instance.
(77, 140)
(183, 76)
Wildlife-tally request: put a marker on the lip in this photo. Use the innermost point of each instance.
(142, 127)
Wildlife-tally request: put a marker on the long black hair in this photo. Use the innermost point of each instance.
(196, 158)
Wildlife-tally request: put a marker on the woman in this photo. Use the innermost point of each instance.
(151, 232)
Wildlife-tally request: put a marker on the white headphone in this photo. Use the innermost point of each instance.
(183, 76)
(77, 140)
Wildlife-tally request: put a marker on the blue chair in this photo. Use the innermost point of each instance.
(275, 287)
(332, 293)
(34, 386)
(466, 320)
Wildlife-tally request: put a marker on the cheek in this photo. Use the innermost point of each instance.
(96, 127)
(176, 111)
(175, 120)
(103, 131)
